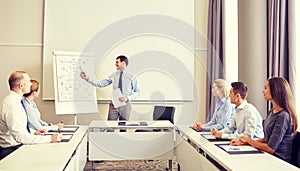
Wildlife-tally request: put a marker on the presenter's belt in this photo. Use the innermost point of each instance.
(111, 103)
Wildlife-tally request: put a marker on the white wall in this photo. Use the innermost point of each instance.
(253, 50)
(21, 41)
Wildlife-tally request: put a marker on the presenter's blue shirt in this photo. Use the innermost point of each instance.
(130, 87)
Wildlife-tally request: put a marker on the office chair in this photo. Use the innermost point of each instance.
(296, 150)
(161, 113)
(164, 113)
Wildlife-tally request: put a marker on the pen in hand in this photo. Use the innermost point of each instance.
(62, 122)
(59, 131)
(80, 69)
(213, 130)
(60, 125)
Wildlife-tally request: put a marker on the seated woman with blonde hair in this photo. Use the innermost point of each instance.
(223, 111)
(35, 123)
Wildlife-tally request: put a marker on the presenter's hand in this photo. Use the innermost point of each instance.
(84, 76)
(56, 137)
(123, 99)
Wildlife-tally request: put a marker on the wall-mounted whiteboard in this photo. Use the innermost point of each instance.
(156, 35)
(72, 94)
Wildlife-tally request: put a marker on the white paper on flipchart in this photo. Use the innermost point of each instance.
(115, 98)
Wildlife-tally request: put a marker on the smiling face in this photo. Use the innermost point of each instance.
(267, 92)
(233, 97)
(119, 64)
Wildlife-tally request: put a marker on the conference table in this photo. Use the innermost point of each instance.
(67, 156)
(195, 152)
(148, 140)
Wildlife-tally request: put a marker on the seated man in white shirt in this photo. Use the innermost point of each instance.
(13, 118)
(246, 120)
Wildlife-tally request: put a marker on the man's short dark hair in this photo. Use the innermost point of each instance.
(123, 58)
(241, 88)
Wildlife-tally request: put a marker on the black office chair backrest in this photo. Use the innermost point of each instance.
(296, 150)
(164, 113)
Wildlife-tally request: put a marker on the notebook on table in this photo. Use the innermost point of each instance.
(244, 149)
(212, 138)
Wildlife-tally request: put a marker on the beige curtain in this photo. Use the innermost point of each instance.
(215, 51)
(281, 33)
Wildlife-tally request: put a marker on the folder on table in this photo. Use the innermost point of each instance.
(198, 130)
(212, 138)
(244, 149)
(67, 129)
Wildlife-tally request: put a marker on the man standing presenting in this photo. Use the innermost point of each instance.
(120, 79)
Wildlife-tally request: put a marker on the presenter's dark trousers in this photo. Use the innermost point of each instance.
(6, 151)
(120, 113)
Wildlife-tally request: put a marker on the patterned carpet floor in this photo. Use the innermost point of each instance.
(131, 165)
